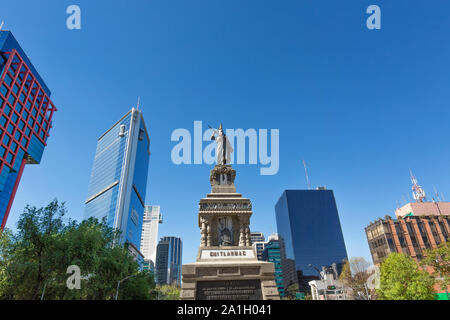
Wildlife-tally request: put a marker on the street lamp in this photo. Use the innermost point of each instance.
(119, 282)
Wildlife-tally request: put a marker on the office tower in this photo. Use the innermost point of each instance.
(259, 248)
(258, 242)
(308, 221)
(168, 261)
(257, 237)
(272, 253)
(119, 179)
(275, 251)
(26, 113)
(419, 226)
(149, 237)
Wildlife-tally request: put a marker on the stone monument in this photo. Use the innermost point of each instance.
(227, 267)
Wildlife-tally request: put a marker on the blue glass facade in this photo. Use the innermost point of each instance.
(119, 177)
(308, 221)
(169, 261)
(25, 118)
(272, 253)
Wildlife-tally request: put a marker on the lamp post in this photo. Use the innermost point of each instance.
(118, 285)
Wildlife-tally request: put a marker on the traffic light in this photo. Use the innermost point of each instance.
(331, 288)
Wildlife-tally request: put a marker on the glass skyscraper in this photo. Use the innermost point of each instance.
(169, 261)
(308, 222)
(119, 178)
(149, 237)
(26, 113)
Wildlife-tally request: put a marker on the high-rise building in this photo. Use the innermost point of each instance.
(275, 251)
(26, 113)
(259, 248)
(308, 222)
(257, 237)
(168, 261)
(272, 253)
(149, 237)
(119, 178)
(419, 226)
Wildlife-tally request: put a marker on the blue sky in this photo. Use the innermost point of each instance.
(361, 106)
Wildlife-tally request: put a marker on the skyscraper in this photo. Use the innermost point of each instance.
(149, 238)
(308, 221)
(168, 261)
(272, 253)
(26, 113)
(258, 242)
(119, 178)
(257, 237)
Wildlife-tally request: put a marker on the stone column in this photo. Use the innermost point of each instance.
(247, 236)
(241, 234)
(203, 232)
(208, 235)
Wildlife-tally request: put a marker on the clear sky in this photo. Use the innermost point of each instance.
(360, 106)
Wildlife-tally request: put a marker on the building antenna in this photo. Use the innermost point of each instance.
(138, 102)
(438, 197)
(417, 191)
(306, 174)
(1, 25)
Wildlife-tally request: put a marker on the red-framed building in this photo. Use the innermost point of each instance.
(26, 113)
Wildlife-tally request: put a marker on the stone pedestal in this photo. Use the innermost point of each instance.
(227, 267)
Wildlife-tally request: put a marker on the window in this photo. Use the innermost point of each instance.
(10, 128)
(13, 146)
(8, 80)
(24, 142)
(21, 125)
(7, 109)
(4, 90)
(11, 99)
(16, 89)
(10, 158)
(3, 121)
(6, 140)
(17, 136)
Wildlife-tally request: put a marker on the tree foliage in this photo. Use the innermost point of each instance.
(291, 291)
(401, 279)
(167, 292)
(439, 260)
(34, 261)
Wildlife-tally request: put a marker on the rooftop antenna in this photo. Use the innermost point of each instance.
(417, 191)
(438, 197)
(306, 174)
(138, 102)
(1, 25)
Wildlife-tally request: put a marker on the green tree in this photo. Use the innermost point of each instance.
(34, 262)
(401, 279)
(439, 260)
(167, 292)
(291, 291)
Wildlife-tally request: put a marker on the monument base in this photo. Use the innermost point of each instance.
(228, 276)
